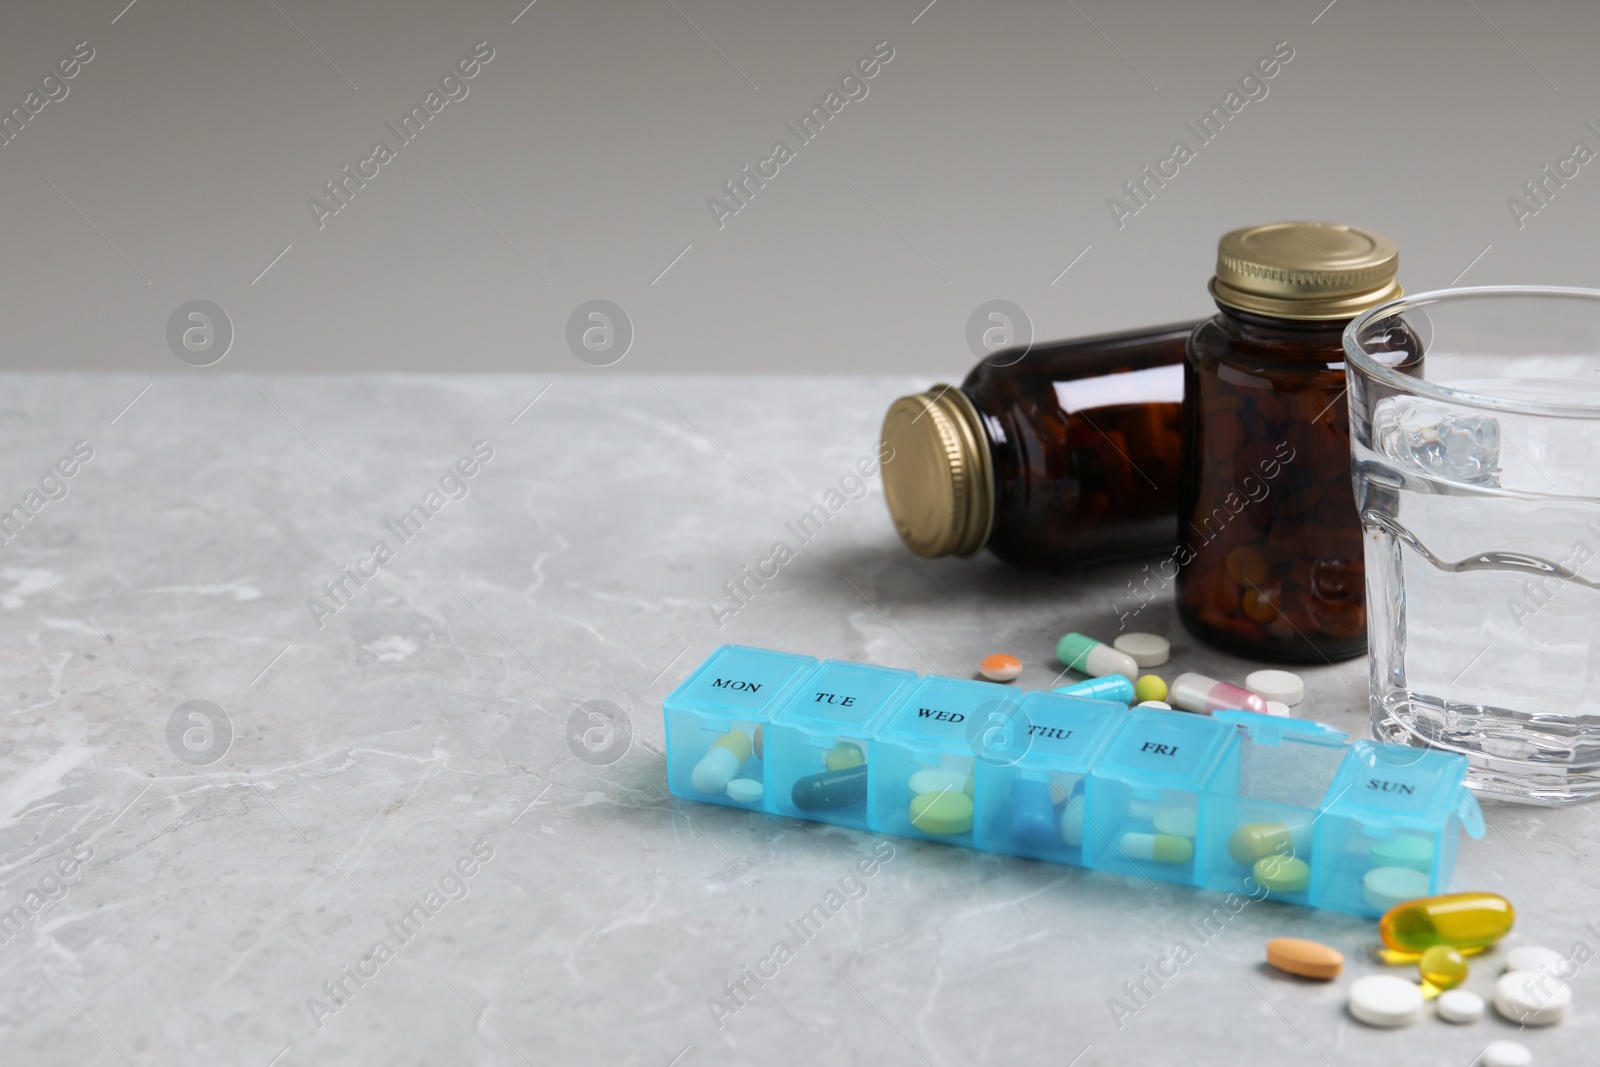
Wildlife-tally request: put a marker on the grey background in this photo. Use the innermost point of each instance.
(978, 167)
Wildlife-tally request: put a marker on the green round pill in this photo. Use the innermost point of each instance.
(942, 813)
(1256, 840)
(1404, 850)
(843, 756)
(1282, 874)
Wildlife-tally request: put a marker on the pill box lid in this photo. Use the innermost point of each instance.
(1166, 749)
(739, 682)
(1415, 788)
(1273, 730)
(1052, 731)
(949, 714)
(863, 694)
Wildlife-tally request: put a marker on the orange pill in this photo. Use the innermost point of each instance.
(1000, 667)
(1247, 566)
(1260, 604)
(1308, 959)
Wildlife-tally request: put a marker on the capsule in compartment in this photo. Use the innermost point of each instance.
(830, 789)
(721, 762)
(1196, 692)
(1461, 920)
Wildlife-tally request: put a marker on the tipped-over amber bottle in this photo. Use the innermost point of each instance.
(1270, 555)
(1060, 456)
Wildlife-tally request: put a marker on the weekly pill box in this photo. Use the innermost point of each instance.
(1233, 801)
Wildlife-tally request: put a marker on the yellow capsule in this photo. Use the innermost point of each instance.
(1460, 920)
(1443, 967)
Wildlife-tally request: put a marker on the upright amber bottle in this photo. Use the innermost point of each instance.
(1270, 556)
(1063, 456)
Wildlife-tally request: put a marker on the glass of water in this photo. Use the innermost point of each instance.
(1475, 427)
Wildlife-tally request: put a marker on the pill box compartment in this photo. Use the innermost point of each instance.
(1389, 827)
(1259, 812)
(1142, 801)
(1031, 771)
(818, 746)
(720, 707)
(920, 782)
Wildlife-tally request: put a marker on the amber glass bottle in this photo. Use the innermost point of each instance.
(1065, 455)
(1270, 555)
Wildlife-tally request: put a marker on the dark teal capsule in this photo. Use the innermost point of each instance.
(830, 789)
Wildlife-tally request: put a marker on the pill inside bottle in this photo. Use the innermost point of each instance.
(1196, 692)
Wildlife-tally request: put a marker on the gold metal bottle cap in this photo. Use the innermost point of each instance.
(1305, 270)
(936, 473)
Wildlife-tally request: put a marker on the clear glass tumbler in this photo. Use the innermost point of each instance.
(1475, 427)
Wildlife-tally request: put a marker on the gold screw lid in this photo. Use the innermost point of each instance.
(1305, 270)
(936, 473)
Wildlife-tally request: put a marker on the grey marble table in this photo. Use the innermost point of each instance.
(393, 836)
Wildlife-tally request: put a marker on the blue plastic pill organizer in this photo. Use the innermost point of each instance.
(1202, 800)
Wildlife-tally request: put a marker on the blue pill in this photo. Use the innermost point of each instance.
(1111, 687)
(1033, 817)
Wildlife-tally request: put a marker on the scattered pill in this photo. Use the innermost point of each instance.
(1404, 850)
(1532, 958)
(1384, 1000)
(830, 789)
(1147, 650)
(1506, 1054)
(1072, 821)
(721, 762)
(1158, 848)
(1282, 874)
(1284, 686)
(1442, 966)
(1308, 959)
(746, 790)
(942, 813)
(937, 780)
(1150, 687)
(1532, 999)
(1465, 920)
(1459, 1006)
(1111, 687)
(1179, 822)
(1154, 704)
(1387, 888)
(1088, 656)
(1000, 667)
(1278, 709)
(844, 755)
(1033, 816)
(1196, 692)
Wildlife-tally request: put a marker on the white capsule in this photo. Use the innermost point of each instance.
(715, 770)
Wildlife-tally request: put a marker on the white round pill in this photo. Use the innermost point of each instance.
(1506, 1054)
(937, 780)
(746, 790)
(1532, 998)
(1147, 650)
(1153, 704)
(1179, 822)
(1284, 686)
(1532, 958)
(1385, 1000)
(1459, 1006)
(1384, 887)
(1278, 709)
